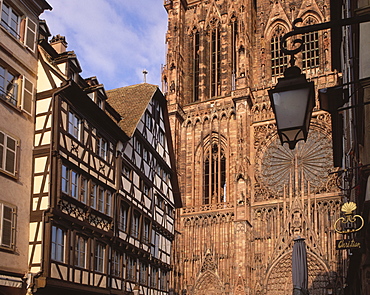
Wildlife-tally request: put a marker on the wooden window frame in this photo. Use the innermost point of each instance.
(99, 257)
(80, 252)
(58, 243)
(123, 226)
(74, 125)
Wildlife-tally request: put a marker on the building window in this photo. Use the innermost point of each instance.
(196, 65)
(154, 278)
(70, 181)
(99, 257)
(116, 263)
(8, 86)
(159, 201)
(148, 120)
(131, 269)
(170, 211)
(214, 175)
(163, 280)
(124, 210)
(102, 147)
(146, 231)
(145, 189)
(161, 137)
(138, 146)
(74, 125)
(146, 155)
(80, 252)
(279, 61)
(135, 225)
(83, 190)
(310, 52)
(57, 244)
(7, 226)
(8, 153)
(126, 171)
(215, 72)
(10, 20)
(9, 90)
(93, 192)
(74, 184)
(65, 179)
(143, 278)
(108, 203)
(100, 199)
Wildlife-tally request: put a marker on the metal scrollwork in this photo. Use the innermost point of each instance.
(283, 42)
(349, 220)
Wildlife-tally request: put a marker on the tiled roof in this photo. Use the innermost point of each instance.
(131, 102)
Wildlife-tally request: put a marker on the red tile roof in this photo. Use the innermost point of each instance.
(131, 102)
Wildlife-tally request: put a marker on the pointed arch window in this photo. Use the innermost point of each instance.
(234, 35)
(214, 175)
(196, 41)
(279, 61)
(310, 52)
(215, 62)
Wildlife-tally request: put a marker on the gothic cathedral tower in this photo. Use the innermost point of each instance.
(245, 196)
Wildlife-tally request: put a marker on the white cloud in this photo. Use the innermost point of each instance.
(113, 39)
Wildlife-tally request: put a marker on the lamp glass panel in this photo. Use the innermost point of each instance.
(290, 107)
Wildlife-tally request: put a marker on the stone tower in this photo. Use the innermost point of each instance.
(245, 196)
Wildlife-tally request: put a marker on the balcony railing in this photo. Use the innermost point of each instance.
(7, 96)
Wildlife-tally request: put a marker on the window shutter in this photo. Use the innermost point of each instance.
(27, 95)
(2, 149)
(7, 230)
(10, 155)
(30, 34)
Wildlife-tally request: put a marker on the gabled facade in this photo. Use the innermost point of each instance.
(104, 190)
(19, 25)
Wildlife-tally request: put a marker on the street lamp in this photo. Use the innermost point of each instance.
(292, 102)
(292, 98)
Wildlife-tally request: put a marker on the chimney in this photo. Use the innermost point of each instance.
(59, 43)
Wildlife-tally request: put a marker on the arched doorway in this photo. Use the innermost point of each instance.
(279, 277)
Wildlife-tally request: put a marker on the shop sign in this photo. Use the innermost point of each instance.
(350, 223)
(347, 244)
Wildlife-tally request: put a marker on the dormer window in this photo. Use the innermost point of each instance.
(94, 96)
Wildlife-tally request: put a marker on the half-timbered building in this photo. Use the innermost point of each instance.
(19, 24)
(102, 214)
(148, 192)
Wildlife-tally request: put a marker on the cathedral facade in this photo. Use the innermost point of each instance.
(245, 196)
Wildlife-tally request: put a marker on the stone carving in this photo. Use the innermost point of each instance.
(303, 169)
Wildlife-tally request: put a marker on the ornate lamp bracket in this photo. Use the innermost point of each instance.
(283, 42)
(317, 27)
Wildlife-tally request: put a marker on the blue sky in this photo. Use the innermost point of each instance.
(115, 40)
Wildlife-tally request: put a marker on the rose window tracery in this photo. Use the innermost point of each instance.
(304, 168)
